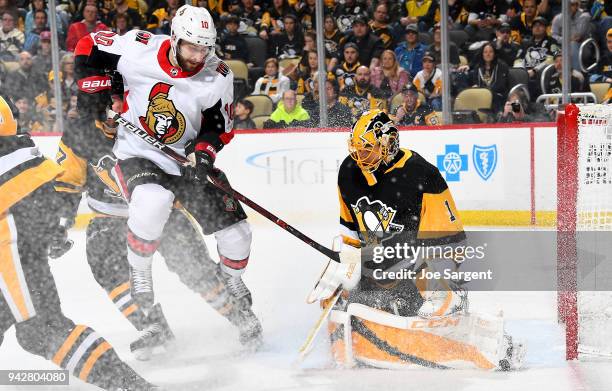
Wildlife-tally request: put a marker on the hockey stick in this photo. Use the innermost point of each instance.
(314, 331)
(183, 161)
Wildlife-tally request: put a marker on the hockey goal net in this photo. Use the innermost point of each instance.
(584, 221)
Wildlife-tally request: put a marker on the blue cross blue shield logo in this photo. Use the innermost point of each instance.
(452, 162)
(485, 160)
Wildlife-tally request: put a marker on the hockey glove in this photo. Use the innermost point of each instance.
(203, 164)
(59, 243)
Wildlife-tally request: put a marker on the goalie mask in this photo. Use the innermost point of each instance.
(374, 139)
(8, 117)
(196, 26)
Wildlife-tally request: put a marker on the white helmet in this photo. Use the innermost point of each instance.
(194, 25)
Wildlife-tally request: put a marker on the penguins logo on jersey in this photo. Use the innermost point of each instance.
(163, 120)
(375, 218)
(102, 169)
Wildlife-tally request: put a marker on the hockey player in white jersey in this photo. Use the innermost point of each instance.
(179, 92)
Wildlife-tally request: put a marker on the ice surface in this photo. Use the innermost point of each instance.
(280, 273)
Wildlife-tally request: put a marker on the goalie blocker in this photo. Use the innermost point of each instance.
(389, 192)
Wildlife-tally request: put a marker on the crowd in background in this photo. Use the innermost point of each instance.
(378, 54)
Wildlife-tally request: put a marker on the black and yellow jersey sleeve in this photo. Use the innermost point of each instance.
(24, 170)
(439, 218)
(74, 177)
(348, 228)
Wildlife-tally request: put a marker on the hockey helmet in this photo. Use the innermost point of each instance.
(193, 25)
(8, 117)
(374, 139)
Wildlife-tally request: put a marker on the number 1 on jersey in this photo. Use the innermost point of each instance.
(450, 211)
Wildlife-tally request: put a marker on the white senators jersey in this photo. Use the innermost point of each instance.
(176, 107)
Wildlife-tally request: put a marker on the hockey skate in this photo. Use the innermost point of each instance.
(141, 286)
(239, 291)
(156, 334)
(250, 332)
(514, 355)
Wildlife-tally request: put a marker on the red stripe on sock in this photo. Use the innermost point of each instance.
(236, 265)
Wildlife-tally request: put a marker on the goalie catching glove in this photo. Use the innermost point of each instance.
(345, 274)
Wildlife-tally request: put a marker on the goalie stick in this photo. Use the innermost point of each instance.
(183, 161)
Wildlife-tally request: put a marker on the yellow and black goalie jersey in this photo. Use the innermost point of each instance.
(409, 198)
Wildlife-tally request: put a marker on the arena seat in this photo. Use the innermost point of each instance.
(476, 99)
(600, 90)
(262, 105)
(259, 120)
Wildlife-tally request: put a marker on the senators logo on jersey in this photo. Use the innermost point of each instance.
(163, 121)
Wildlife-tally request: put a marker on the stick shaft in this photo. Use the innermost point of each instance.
(276, 220)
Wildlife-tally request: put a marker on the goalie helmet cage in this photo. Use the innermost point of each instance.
(584, 204)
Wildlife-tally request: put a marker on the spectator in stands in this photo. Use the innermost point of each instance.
(436, 48)
(389, 76)
(536, 53)
(603, 72)
(416, 13)
(338, 115)
(370, 46)
(242, 119)
(489, 72)
(310, 45)
(334, 39)
(233, 45)
(522, 23)
(250, 18)
(539, 49)
(305, 76)
(68, 80)
(32, 38)
(23, 82)
(273, 83)
(554, 84)
(11, 39)
(272, 19)
(306, 14)
(428, 82)
(363, 96)
(410, 52)
(484, 17)
(380, 25)
(29, 24)
(515, 109)
(161, 16)
(121, 24)
(89, 24)
(27, 118)
(345, 14)
(412, 112)
(289, 112)
(345, 71)
(122, 8)
(42, 60)
(579, 30)
(290, 42)
(507, 50)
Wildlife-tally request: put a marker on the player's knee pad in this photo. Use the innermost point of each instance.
(234, 247)
(149, 209)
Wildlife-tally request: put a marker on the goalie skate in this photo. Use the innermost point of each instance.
(250, 332)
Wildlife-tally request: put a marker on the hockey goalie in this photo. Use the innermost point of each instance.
(385, 314)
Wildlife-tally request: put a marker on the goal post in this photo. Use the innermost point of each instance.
(584, 207)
